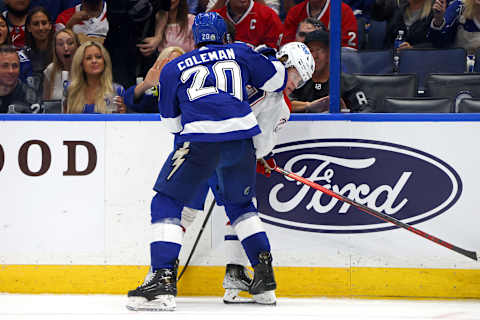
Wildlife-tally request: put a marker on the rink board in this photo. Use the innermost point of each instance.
(75, 194)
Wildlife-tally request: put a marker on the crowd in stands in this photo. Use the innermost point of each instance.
(102, 56)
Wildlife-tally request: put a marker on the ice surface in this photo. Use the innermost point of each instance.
(106, 307)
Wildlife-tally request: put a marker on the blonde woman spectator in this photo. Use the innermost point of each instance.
(91, 89)
(457, 26)
(178, 31)
(411, 16)
(65, 43)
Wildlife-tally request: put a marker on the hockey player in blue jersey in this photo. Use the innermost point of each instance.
(203, 101)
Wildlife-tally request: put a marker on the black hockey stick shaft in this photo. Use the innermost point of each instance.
(209, 213)
(379, 215)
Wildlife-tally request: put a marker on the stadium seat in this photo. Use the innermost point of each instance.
(376, 61)
(454, 86)
(351, 62)
(52, 106)
(469, 105)
(417, 105)
(425, 61)
(374, 36)
(377, 87)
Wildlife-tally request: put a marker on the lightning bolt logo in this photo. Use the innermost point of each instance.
(178, 158)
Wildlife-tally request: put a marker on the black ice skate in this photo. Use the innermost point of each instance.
(157, 293)
(237, 278)
(263, 285)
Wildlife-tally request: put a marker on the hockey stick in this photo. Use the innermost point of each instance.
(470, 254)
(198, 238)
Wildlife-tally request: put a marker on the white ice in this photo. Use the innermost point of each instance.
(106, 307)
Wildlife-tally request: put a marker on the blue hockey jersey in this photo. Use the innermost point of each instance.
(203, 93)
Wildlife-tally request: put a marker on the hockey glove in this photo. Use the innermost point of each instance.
(265, 50)
(265, 166)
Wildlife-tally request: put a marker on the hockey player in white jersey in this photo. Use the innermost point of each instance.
(272, 110)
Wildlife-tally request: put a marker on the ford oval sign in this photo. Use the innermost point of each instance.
(408, 184)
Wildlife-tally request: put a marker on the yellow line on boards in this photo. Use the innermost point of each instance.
(207, 281)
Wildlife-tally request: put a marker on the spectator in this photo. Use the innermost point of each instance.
(178, 31)
(412, 16)
(88, 20)
(16, 15)
(361, 8)
(457, 26)
(306, 26)
(4, 32)
(132, 23)
(320, 10)
(143, 97)
(92, 89)
(39, 39)
(255, 23)
(15, 96)
(55, 7)
(65, 44)
(314, 95)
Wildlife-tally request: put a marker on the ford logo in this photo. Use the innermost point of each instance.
(408, 184)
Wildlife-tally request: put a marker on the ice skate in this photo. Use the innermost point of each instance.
(157, 293)
(237, 279)
(263, 285)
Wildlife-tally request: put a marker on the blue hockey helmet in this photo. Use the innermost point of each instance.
(209, 27)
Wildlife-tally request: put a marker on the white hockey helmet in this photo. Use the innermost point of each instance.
(297, 55)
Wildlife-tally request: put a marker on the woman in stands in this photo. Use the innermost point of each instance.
(65, 43)
(178, 31)
(143, 98)
(411, 16)
(92, 89)
(4, 33)
(456, 26)
(38, 39)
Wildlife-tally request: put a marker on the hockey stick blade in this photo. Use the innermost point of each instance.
(470, 254)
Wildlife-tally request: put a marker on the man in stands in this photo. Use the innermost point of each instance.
(16, 14)
(314, 95)
(15, 96)
(255, 23)
(320, 10)
(88, 19)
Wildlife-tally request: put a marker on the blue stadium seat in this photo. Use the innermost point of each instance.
(374, 36)
(425, 61)
(351, 61)
(456, 86)
(417, 105)
(469, 105)
(376, 61)
(379, 86)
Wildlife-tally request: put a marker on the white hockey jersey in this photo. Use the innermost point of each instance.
(272, 110)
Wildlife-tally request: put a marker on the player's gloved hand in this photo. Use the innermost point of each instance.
(265, 166)
(265, 50)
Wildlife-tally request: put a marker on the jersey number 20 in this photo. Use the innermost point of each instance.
(200, 73)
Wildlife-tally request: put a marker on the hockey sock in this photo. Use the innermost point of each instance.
(234, 252)
(166, 231)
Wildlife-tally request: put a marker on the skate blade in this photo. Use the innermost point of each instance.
(232, 296)
(266, 298)
(162, 303)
